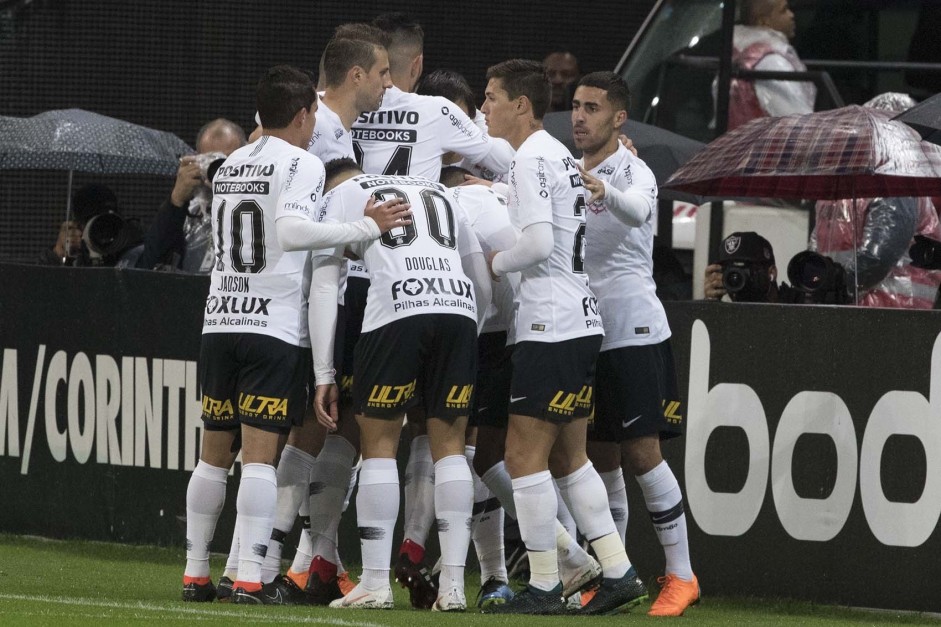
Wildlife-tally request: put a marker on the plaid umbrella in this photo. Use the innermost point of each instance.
(852, 152)
(74, 139)
(925, 117)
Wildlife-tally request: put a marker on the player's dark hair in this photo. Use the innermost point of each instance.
(361, 30)
(337, 167)
(451, 85)
(614, 84)
(524, 77)
(406, 39)
(453, 175)
(341, 55)
(282, 92)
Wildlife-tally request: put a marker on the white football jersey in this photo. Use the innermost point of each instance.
(330, 140)
(488, 216)
(409, 134)
(619, 259)
(415, 269)
(256, 287)
(555, 303)
(480, 120)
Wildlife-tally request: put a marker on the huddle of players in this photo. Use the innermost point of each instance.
(431, 252)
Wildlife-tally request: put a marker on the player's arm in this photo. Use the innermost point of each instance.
(474, 264)
(322, 320)
(632, 206)
(458, 133)
(533, 247)
(535, 219)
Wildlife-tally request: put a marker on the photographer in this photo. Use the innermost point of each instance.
(181, 234)
(746, 272)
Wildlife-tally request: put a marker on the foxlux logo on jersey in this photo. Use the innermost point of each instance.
(232, 310)
(438, 292)
(590, 311)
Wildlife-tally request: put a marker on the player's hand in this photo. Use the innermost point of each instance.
(188, 180)
(713, 282)
(325, 405)
(389, 214)
(593, 185)
(470, 179)
(627, 143)
(490, 256)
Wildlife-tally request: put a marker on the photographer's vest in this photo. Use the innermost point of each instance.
(905, 286)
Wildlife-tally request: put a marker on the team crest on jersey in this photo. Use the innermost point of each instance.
(337, 134)
(597, 206)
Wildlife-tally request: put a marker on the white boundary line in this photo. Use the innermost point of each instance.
(190, 612)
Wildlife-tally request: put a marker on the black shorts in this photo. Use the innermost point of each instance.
(253, 379)
(427, 359)
(494, 372)
(354, 309)
(636, 394)
(553, 380)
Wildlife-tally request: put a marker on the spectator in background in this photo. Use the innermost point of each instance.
(181, 234)
(761, 43)
(563, 71)
(871, 237)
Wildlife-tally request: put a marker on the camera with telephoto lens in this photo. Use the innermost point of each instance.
(822, 280)
(108, 235)
(209, 163)
(925, 253)
(746, 281)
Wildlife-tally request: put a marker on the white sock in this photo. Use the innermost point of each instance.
(329, 481)
(665, 504)
(258, 495)
(419, 491)
(586, 493)
(454, 501)
(232, 561)
(377, 507)
(617, 499)
(536, 507)
(498, 480)
(293, 475)
(563, 514)
(205, 496)
(487, 527)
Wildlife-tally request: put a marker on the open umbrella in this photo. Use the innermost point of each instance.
(852, 152)
(78, 140)
(663, 151)
(925, 117)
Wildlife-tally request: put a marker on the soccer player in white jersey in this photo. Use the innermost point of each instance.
(636, 401)
(254, 357)
(409, 133)
(428, 288)
(558, 334)
(356, 73)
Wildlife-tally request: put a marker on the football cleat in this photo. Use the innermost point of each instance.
(362, 599)
(493, 592)
(323, 584)
(675, 596)
(299, 579)
(345, 582)
(531, 601)
(224, 590)
(452, 600)
(281, 591)
(198, 590)
(584, 578)
(616, 595)
(422, 591)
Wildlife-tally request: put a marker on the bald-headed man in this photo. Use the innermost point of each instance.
(180, 236)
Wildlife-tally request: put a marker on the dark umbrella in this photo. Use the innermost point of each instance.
(852, 152)
(925, 117)
(74, 139)
(662, 150)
